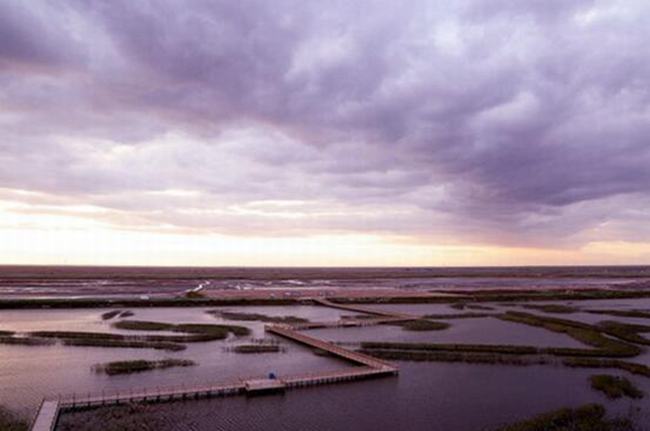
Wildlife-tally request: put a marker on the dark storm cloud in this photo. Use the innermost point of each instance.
(504, 121)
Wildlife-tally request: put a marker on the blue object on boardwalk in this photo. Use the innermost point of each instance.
(272, 376)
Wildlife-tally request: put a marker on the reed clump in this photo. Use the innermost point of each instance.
(552, 308)
(111, 314)
(257, 317)
(447, 356)
(26, 341)
(257, 348)
(630, 367)
(424, 325)
(640, 314)
(140, 365)
(201, 331)
(615, 386)
(587, 334)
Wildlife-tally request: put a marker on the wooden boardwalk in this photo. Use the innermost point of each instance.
(367, 367)
(48, 413)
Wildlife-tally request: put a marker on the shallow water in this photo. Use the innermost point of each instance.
(473, 331)
(425, 396)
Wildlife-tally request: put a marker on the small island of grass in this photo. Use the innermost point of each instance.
(424, 325)
(9, 421)
(140, 365)
(615, 386)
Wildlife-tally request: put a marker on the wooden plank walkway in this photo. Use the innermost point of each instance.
(350, 355)
(47, 416)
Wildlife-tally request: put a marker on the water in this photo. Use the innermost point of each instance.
(425, 396)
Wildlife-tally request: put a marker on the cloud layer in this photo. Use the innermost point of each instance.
(503, 122)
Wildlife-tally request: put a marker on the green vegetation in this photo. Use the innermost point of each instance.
(641, 314)
(630, 367)
(464, 305)
(6, 333)
(257, 348)
(235, 315)
(583, 332)
(614, 386)
(424, 325)
(588, 417)
(26, 341)
(472, 348)
(552, 308)
(202, 332)
(130, 344)
(458, 316)
(9, 421)
(126, 314)
(626, 331)
(110, 314)
(137, 366)
(445, 356)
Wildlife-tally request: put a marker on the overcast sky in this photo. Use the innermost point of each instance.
(336, 132)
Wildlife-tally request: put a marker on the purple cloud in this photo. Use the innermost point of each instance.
(500, 122)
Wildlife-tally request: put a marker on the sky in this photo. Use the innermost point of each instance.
(336, 133)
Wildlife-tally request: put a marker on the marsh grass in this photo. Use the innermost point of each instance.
(582, 332)
(236, 315)
(140, 365)
(447, 356)
(467, 348)
(424, 325)
(110, 314)
(198, 331)
(458, 316)
(626, 331)
(641, 314)
(552, 308)
(9, 421)
(257, 348)
(630, 367)
(590, 417)
(26, 341)
(615, 386)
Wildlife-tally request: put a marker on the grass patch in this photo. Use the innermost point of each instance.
(465, 305)
(6, 333)
(424, 325)
(614, 386)
(630, 367)
(128, 344)
(446, 356)
(140, 365)
(552, 308)
(466, 348)
(257, 348)
(110, 314)
(582, 332)
(26, 341)
(9, 421)
(257, 317)
(641, 314)
(201, 332)
(126, 313)
(458, 316)
(588, 417)
(626, 331)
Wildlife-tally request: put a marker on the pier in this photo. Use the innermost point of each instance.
(366, 367)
